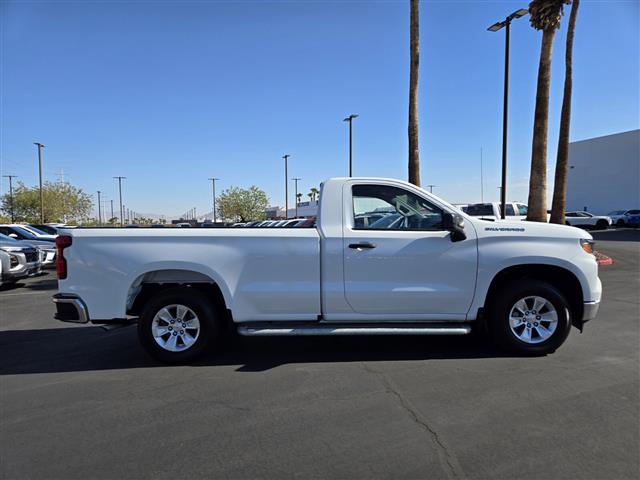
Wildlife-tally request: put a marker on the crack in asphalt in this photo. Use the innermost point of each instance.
(447, 458)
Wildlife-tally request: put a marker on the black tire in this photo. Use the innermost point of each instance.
(567, 223)
(504, 300)
(602, 225)
(210, 324)
(620, 223)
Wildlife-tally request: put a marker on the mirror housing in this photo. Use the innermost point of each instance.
(13, 235)
(455, 224)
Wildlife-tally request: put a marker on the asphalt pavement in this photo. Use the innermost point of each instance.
(78, 402)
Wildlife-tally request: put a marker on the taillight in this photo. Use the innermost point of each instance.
(62, 242)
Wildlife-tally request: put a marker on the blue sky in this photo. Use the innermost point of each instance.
(171, 93)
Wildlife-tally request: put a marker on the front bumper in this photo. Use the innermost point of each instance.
(70, 308)
(590, 310)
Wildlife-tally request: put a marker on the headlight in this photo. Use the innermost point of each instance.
(587, 245)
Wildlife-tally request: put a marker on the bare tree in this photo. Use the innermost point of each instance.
(414, 48)
(545, 16)
(559, 204)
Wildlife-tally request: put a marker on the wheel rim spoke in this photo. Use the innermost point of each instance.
(168, 330)
(533, 319)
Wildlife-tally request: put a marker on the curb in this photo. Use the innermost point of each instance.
(603, 259)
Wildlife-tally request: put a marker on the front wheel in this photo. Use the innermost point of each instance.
(620, 223)
(530, 317)
(177, 325)
(602, 224)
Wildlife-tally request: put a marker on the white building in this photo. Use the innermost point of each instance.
(604, 173)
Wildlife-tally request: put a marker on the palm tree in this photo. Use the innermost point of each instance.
(414, 61)
(545, 16)
(559, 204)
(299, 198)
(314, 193)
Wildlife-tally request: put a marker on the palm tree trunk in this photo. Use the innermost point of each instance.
(414, 47)
(559, 204)
(538, 177)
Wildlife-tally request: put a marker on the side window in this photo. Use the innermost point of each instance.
(633, 212)
(381, 207)
(522, 209)
(480, 210)
(510, 212)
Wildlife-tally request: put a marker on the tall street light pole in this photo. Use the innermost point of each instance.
(295, 179)
(431, 188)
(40, 147)
(505, 110)
(213, 186)
(99, 209)
(120, 193)
(286, 187)
(111, 210)
(11, 177)
(350, 120)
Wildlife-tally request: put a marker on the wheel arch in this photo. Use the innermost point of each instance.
(561, 278)
(149, 283)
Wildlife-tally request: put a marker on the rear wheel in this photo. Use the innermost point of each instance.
(178, 324)
(602, 224)
(530, 317)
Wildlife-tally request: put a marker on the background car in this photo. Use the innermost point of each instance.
(622, 218)
(587, 220)
(47, 249)
(19, 232)
(18, 261)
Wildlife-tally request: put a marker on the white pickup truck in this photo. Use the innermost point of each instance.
(436, 272)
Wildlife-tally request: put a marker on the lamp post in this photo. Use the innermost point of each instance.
(99, 209)
(431, 188)
(40, 147)
(296, 179)
(350, 120)
(505, 110)
(121, 206)
(213, 186)
(11, 177)
(286, 187)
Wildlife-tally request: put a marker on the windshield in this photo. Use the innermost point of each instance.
(44, 230)
(6, 238)
(24, 232)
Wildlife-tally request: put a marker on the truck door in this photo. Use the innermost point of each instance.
(404, 264)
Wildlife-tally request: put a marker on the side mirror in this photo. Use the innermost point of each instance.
(13, 235)
(455, 224)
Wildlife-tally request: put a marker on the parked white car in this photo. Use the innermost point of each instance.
(493, 210)
(622, 218)
(436, 272)
(587, 220)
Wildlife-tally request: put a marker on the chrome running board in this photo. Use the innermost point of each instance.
(304, 330)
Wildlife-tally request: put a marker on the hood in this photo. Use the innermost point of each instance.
(501, 228)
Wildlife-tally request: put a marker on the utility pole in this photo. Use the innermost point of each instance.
(213, 186)
(431, 188)
(99, 209)
(286, 187)
(121, 206)
(350, 120)
(295, 179)
(111, 210)
(40, 147)
(481, 179)
(505, 108)
(11, 177)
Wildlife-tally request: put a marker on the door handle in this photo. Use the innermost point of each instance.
(361, 245)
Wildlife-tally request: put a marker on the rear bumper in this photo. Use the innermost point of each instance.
(70, 308)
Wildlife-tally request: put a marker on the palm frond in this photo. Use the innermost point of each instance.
(546, 14)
